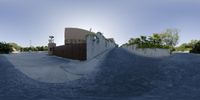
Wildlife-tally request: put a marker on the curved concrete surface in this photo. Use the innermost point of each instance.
(51, 69)
(121, 76)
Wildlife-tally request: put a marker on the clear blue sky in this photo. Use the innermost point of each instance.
(25, 20)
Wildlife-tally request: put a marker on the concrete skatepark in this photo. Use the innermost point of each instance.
(102, 71)
(120, 75)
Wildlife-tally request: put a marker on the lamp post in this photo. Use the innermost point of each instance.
(51, 40)
(51, 45)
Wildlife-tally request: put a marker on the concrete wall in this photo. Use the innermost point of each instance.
(97, 44)
(147, 52)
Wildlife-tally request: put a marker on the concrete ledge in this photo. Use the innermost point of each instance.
(148, 52)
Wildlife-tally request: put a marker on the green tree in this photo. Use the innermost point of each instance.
(156, 38)
(192, 43)
(5, 48)
(170, 37)
(167, 39)
(134, 41)
(196, 48)
(143, 39)
(183, 47)
(187, 46)
(16, 46)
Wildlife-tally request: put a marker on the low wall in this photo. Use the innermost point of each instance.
(147, 52)
(97, 44)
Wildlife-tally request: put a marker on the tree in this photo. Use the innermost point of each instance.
(183, 47)
(156, 39)
(143, 39)
(187, 46)
(170, 37)
(5, 48)
(16, 46)
(134, 41)
(196, 48)
(192, 43)
(37, 48)
(153, 41)
(167, 39)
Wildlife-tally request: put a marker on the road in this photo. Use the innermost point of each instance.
(122, 75)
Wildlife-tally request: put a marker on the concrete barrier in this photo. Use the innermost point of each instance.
(147, 52)
(97, 44)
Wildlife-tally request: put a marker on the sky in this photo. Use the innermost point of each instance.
(22, 21)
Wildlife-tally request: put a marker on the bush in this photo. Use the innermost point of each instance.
(165, 40)
(16, 46)
(5, 48)
(181, 48)
(38, 48)
(196, 48)
(187, 46)
(151, 45)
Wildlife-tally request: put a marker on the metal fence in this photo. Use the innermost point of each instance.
(72, 51)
